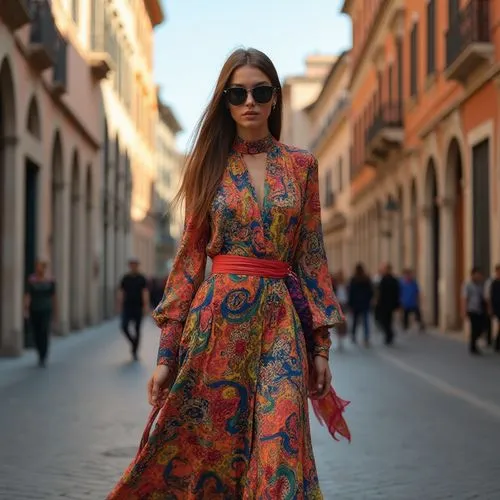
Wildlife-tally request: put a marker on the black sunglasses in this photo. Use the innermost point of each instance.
(261, 94)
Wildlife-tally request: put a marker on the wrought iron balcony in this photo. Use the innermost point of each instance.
(468, 40)
(42, 41)
(60, 77)
(385, 134)
(15, 13)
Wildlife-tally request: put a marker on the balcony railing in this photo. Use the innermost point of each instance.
(468, 40)
(386, 132)
(43, 33)
(60, 78)
(15, 13)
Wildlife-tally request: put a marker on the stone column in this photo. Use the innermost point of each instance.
(96, 245)
(425, 258)
(63, 286)
(447, 264)
(12, 282)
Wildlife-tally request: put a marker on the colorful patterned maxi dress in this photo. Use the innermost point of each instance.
(235, 423)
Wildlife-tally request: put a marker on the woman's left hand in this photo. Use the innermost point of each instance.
(320, 378)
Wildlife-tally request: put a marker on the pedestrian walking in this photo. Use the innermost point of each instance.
(234, 424)
(474, 307)
(133, 302)
(360, 301)
(410, 299)
(388, 301)
(40, 307)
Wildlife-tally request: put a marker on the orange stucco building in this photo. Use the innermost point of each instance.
(424, 123)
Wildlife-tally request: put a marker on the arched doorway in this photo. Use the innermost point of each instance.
(56, 238)
(455, 231)
(33, 124)
(414, 228)
(75, 245)
(31, 196)
(7, 192)
(89, 245)
(433, 241)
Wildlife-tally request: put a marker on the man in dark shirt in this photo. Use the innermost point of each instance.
(39, 307)
(133, 300)
(387, 302)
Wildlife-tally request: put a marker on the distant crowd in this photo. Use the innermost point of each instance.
(383, 295)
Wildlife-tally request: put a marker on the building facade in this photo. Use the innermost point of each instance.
(330, 142)
(299, 92)
(50, 133)
(121, 48)
(77, 108)
(169, 163)
(424, 120)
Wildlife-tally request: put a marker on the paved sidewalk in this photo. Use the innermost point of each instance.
(425, 419)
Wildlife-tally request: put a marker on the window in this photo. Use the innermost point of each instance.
(413, 60)
(431, 37)
(329, 197)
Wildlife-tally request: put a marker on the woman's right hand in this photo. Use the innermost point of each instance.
(158, 384)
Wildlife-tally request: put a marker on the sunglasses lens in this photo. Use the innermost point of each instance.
(263, 94)
(236, 96)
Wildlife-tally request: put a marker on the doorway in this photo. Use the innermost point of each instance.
(30, 226)
(481, 206)
(434, 228)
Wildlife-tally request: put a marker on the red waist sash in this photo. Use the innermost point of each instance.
(250, 266)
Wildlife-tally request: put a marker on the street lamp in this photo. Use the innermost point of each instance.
(391, 207)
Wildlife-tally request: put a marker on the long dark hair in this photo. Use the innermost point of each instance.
(215, 133)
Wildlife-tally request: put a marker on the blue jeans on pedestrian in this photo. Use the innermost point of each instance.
(365, 317)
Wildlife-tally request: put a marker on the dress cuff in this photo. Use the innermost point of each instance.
(321, 342)
(170, 338)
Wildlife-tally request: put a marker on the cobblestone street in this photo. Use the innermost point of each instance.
(425, 419)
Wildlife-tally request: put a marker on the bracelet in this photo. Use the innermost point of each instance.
(322, 351)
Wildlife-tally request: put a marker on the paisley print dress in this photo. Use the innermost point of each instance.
(235, 423)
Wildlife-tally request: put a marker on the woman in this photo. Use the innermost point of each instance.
(231, 380)
(39, 308)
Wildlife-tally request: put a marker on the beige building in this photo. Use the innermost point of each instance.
(50, 133)
(298, 93)
(330, 142)
(77, 108)
(169, 163)
(121, 44)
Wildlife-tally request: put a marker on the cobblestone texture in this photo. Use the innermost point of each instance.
(425, 419)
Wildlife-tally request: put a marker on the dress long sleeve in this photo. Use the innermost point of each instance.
(311, 265)
(187, 274)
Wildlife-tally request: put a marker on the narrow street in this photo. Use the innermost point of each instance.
(425, 419)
